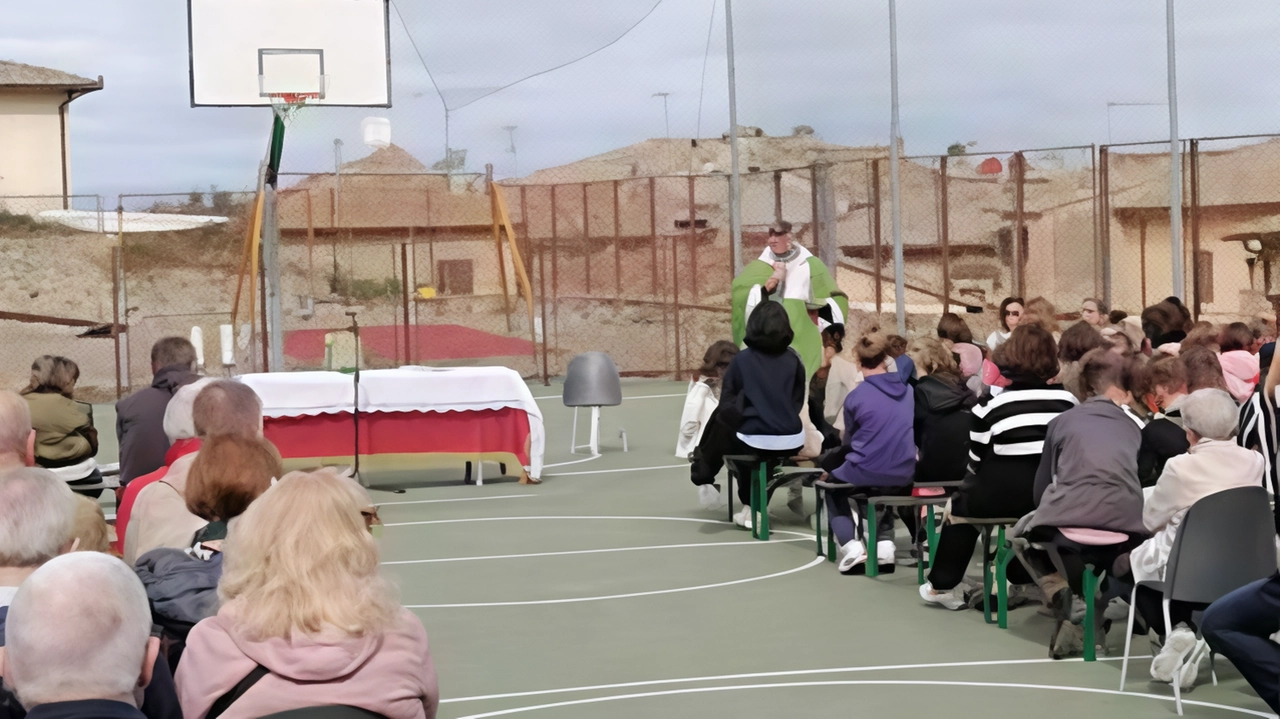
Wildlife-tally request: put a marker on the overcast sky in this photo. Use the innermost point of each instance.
(1007, 74)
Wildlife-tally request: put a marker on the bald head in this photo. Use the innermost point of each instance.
(226, 407)
(15, 429)
(79, 628)
(37, 517)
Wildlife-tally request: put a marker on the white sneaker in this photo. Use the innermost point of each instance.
(743, 518)
(850, 555)
(886, 550)
(1176, 649)
(1191, 669)
(708, 496)
(952, 599)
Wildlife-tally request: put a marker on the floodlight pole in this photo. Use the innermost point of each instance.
(666, 119)
(895, 209)
(735, 199)
(1175, 159)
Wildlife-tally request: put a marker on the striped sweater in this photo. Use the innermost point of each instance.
(1014, 422)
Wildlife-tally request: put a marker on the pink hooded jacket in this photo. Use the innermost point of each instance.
(391, 674)
(1240, 370)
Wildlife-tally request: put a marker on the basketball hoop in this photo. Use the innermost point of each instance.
(286, 104)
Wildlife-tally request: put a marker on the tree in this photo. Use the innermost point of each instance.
(956, 149)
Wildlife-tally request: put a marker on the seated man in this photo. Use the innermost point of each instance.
(159, 515)
(140, 416)
(37, 523)
(1086, 492)
(79, 643)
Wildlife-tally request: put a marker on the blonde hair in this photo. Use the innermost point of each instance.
(872, 349)
(300, 560)
(91, 527)
(55, 375)
(932, 357)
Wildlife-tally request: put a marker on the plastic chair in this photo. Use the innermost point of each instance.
(591, 381)
(1226, 541)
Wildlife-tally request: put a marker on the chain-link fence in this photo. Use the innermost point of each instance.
(58, 281)
(637, 266)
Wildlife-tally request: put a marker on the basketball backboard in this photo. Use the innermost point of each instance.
(245, 51)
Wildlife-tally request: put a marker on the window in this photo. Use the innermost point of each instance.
(1204, 273)
(456, 277)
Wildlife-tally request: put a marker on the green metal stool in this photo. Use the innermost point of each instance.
(926, 503)
(1090, 582)
(761, 487)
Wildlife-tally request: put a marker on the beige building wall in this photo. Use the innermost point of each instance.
(30, 149)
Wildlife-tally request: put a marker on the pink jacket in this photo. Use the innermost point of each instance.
(391, 674)
(1240, 370)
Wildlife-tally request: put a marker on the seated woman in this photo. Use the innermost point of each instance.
(877, 456)
(66, 441)
(699, 404)
(956, 336)
(303, 598)
(228, 474)
(1088, 499)
(942, 414)
(761, 398)
(1212, 464)
(1005, 440)
(1240, 366)
(1076, 341)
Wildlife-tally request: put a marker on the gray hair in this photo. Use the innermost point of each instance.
(179, 420)
(1210, 413)
(15, 424)
(78, 628)
(37, 517)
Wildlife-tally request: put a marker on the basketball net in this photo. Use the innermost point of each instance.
(286, 104)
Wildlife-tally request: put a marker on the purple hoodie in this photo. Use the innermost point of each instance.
(878, 448)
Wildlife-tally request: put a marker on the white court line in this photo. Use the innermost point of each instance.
(562, 464)
(865, 682)
(460, 499)
(754, 542)
(614, 471)
(574, 600)
(581, 516)
(779, 674)
(624, 399)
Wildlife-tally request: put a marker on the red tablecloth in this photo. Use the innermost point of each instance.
(330, 435)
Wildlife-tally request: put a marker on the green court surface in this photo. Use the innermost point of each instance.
(607, 592)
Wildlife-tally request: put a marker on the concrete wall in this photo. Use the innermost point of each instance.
(30, 137)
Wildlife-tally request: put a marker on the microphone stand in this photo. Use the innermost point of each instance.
(355, 330)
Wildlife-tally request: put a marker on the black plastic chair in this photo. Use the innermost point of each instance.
(1226, 541)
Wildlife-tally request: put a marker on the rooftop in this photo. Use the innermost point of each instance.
(17, 74)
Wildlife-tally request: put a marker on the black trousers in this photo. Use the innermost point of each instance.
(955, 550)
(1074, 556)
(1150, 606)
(719, 441)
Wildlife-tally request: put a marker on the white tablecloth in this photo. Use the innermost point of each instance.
(408, 389)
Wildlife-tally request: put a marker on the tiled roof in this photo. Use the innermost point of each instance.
(16, 74)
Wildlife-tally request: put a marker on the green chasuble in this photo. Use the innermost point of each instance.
(808, 339)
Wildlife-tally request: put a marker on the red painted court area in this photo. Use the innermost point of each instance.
(426, 343)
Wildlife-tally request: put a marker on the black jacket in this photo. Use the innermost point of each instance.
(762, 392)
(1161, 439)
(86, 709)
(140, 422)
(942, 421)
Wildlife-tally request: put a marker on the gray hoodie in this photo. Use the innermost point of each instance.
(1088, 475)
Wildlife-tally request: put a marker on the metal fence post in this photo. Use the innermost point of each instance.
(944, 237)
(617, 244)
(1019, 177)
(1195, 230)
(404, 293)
(115, 315)
(1104, 219)
(542, 296)
(586, 238)
(875, 236)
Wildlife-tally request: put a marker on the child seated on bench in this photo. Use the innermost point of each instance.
(761, 397)
(1086, 492)
(877, 456)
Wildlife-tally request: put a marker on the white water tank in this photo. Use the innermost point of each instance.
(377, 131)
